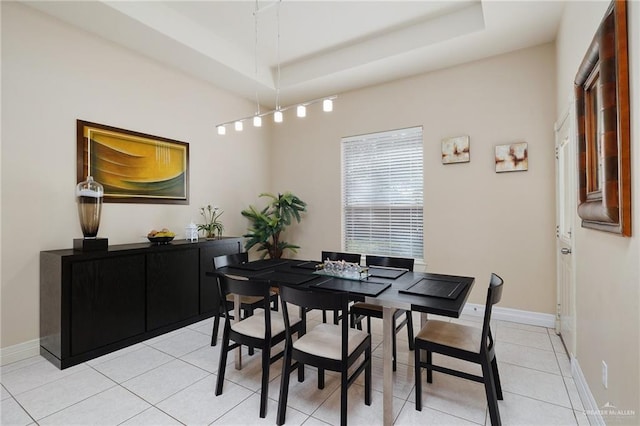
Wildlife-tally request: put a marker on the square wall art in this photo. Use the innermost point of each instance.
(512, 157)
(455, 150)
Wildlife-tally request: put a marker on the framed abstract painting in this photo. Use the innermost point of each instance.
(133, 167)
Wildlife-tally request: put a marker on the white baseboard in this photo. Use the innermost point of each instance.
(19, 352)
(593, 412)
(512, 315)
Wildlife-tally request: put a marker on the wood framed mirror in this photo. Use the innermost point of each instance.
(602, 111)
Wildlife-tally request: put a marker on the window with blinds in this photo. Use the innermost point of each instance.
(382, 190)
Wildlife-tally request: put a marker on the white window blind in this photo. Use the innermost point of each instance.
(382, 188)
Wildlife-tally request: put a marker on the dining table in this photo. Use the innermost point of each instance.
(390, 288)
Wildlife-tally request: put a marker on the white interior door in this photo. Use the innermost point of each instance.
(566, 192)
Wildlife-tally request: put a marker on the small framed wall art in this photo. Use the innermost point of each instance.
(512, 157)
(455, 150)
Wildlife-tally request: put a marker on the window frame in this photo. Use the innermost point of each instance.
(418, 256)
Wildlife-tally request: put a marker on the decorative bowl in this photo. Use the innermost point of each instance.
(160, 240)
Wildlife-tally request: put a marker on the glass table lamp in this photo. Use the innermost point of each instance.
(89, 196)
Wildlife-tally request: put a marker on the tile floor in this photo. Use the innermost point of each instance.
(170, 380)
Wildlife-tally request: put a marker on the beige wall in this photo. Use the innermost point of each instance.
(607, 266)
(53, 74)
(476, 221)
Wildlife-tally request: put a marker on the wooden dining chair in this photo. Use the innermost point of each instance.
(263, 330)
(326, 347)
(360, 310)
(347, 257)
(463, 342)
(247, 303)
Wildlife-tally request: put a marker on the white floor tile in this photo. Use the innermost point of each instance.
(182, 343)
(525, 338)
(248, 413)
(449, 394)
(526, 356)
(7, 368)
(519, 326)
(410, 416)
(4, 393)
(557, 344)
(564, 363)
(357, 412)
(250, 376)
(110, 407)
(54, 396)
(206, 324)
(35, 374)
(13, 414)
(574, 396)
(306, 396)
(520, 410)
(402, 378)
(152, 417)
(206, 358)
(116, 354)
(582, 418)
(133, 364)
(164, 381)
(312, 421)
(403, 354)
(198, 405)
(535, 384)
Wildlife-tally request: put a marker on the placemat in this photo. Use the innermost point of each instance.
(389, 273)
(310, 265)
(287, 277)
(435, 287)
(365, 288)
(259, 265)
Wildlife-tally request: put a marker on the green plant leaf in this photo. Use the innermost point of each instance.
(267, 224)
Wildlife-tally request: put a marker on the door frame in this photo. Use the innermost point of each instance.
(566, 119)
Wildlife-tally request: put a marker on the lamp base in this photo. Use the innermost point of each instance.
(91, 244)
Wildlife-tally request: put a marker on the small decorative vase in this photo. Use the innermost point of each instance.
(89, 195)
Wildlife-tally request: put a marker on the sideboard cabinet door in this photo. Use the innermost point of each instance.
(172, 286)
(107, 301)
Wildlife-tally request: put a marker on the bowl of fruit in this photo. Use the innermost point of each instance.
(161, 237)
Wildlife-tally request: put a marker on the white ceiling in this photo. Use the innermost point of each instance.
(325, 47)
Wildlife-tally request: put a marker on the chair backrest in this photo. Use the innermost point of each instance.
(392, 262)
(347, 257)
(308, 299)
(230, 259)
(494, 294)
(246, 287)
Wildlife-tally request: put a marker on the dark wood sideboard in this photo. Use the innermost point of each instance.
(96, 302)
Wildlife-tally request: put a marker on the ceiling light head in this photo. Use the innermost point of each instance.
(222, 130)
(257, 121)
(277, 116)
(327, 105)
(301, 111)
(238, 126)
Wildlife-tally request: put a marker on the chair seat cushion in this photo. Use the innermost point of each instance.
(253, 326)
(325, 340)
(451, 334)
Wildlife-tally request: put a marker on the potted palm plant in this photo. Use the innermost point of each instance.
(267, 224)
